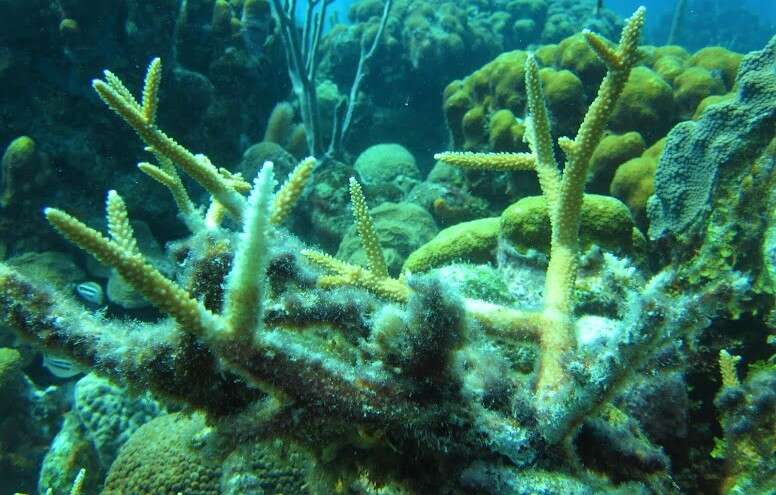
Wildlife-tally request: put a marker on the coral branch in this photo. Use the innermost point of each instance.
(160, 357)
(153, 80)
(540, 137)
(168, 177)
(117, 97)
(118, 224)
(488, 161)
(244, 299)
(160, 291)
(347, 274)
(289, 192)
(366, 230)
(563, 193)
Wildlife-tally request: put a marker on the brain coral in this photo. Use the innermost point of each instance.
(108, 415)
(634, 181)
(265, 468)
(166, 456)
(693, 85)
(611, 152)
(386, 162)
(605, 222)
(176, 454)
(473, 241)
(716, 58)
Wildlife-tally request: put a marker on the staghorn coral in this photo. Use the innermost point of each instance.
(77, 487)
(748, 419)
(409, 383)
(563, 195)
(400, 227)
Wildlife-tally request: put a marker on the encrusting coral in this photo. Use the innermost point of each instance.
(402, 381)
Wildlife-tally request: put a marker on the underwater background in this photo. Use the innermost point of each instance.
(387, 247)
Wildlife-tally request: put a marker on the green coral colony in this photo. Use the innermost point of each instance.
(542, 314)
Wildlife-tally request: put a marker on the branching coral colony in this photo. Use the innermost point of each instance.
(403, 380)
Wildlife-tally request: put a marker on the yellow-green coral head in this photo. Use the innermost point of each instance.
(20, 154)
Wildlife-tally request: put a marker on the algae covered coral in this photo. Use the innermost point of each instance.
(552, 346)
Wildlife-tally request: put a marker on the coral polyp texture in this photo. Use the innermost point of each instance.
(293, 371)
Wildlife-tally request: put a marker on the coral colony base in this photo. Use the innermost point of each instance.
(391, 385)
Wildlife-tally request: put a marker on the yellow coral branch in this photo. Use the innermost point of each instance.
(215, 214)
(118, 223)
(179, 194)
(565, 217)
(78, 483)
(539, 135)
(117, 85)
(593, 124)
(562, 191)
(153, 80)
(160, 291)
(504, 321)
(118, 98)
(488, 161)
(292, 188)
(346, 274)
(235, 180)
(727, 369)
(366, 231)
(604, 51)
(566, 145)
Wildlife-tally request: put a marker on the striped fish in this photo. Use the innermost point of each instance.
(61, 367)
(91, 292)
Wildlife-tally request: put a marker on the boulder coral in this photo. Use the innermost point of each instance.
(611, 152)
(668, 85)
(474, 241)
(646, 106)
(634, 181)
(605, 222)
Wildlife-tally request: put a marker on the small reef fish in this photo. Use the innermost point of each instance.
(91, 292)
(599, 4)
(61, 367)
